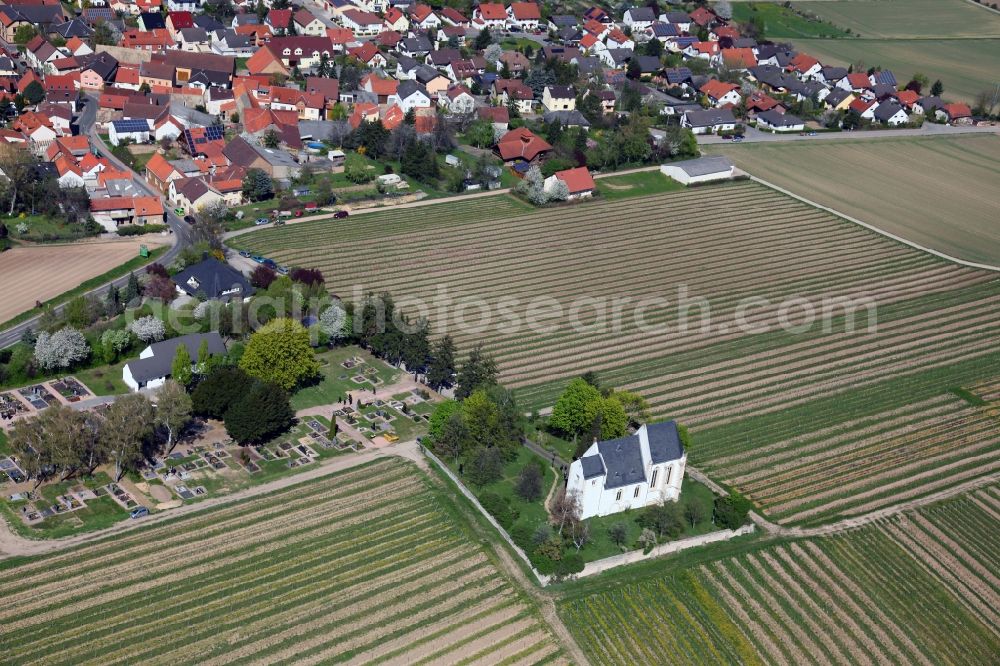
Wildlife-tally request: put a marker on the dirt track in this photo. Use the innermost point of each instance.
(40, 272)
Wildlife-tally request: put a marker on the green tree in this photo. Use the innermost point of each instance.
(180, 368)
(218, 391)
(479, 370)
(453, 438)
(694, 511)
(441, 369)
(132, 290)
(482, 419)
(529, 482)
(25, 33)
(937, 89)
(271, 139)
(34, 93)
(259, 415)
(279, 353)
(173, 410)
(257, 185)
(618, 533)
(664, 519)
(569, 415)
(483, 39)
(204, 358)
(442, 412)
(104, 34)
(731, 511)
(356, 169)
(485, 466)
(125, 430)
(607, 418)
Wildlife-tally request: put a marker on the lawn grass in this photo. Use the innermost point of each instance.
(4, 444)
(782, 22)
(904, 18)
(640, 183)
(42, 228)
(104, 380)
(336, 379)
(88, 285)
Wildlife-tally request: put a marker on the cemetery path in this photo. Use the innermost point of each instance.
(15, 545)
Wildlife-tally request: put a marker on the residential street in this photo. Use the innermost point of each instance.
(181, 230)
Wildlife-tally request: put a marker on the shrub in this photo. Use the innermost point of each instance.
(731, 511)
(522, 534)
(571, 563)
(499, 508)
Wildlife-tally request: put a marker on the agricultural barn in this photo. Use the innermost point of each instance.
(629, 472)
(153, 366)
(701, 170)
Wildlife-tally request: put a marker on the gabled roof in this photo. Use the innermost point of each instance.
(522, 143)
(623, 459)
(862, 105)
(279, 18)
(716, 89)
(181, 20)
(160, 363)
(859, 81)
(525, 11)
(577, 180)
(958, 110)
(492, 11)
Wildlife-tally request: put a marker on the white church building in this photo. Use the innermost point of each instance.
(630, 472)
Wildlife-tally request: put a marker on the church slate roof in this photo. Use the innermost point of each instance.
(623, 459)
(664, 442)
(592, 466)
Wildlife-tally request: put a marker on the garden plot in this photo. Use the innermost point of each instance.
(324, 571)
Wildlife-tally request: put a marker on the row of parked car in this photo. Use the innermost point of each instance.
(264, 261)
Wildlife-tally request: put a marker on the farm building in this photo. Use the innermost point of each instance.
(153, 366)
(701, 170)
(629, 472)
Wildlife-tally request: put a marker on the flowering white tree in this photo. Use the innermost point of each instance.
(61, 349)
(492, 53)
(115, 339)
(335, 322)
(724, 9)
(559, 191)
(148, 329)
(533, 186)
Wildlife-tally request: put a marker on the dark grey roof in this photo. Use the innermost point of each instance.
(566, 118)
(834, 73)
(563, 20)
(208, 23)
(664, 440)
(676, 75)
(885, 77)
(887, 110)
(419, 44)
(152, 20)
(409, 87)
(931, 103)
(648, 64)
(589, 65)
(443, 57)
(775, 119)
(213, 277)
(664, 30)
(425, 74)
(619, 56)
(710, 117)
(561, 92)
(406, 63)
(73, 28)
(641, 14)
(159, 364)
(677, 17)
(592, 466)
(697, 167)
(194, 35)
(836, 96)
(623, 459)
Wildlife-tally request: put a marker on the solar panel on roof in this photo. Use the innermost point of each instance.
(131, 125)
(214, 133)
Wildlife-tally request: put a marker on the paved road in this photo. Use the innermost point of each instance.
(754, 135)
(181, 230)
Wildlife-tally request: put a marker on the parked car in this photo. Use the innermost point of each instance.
(259, 259)
(737, 139)
(812, 133)
(139, 512)
(340, 214)
(282, 270)
(244, 254)
(189, 219)
(270, 263)
(298, 213)
(279, 223)
(260, 221)
(179, 211)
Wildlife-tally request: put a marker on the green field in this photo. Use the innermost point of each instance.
(967, 67)
(896, 185)
(747, 387)
(782, 22)
(902, 19)
(854, 598)
(332, 570)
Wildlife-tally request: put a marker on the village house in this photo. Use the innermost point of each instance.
(559, 98)
(629, 472)
(579, 183)
(154, 365)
